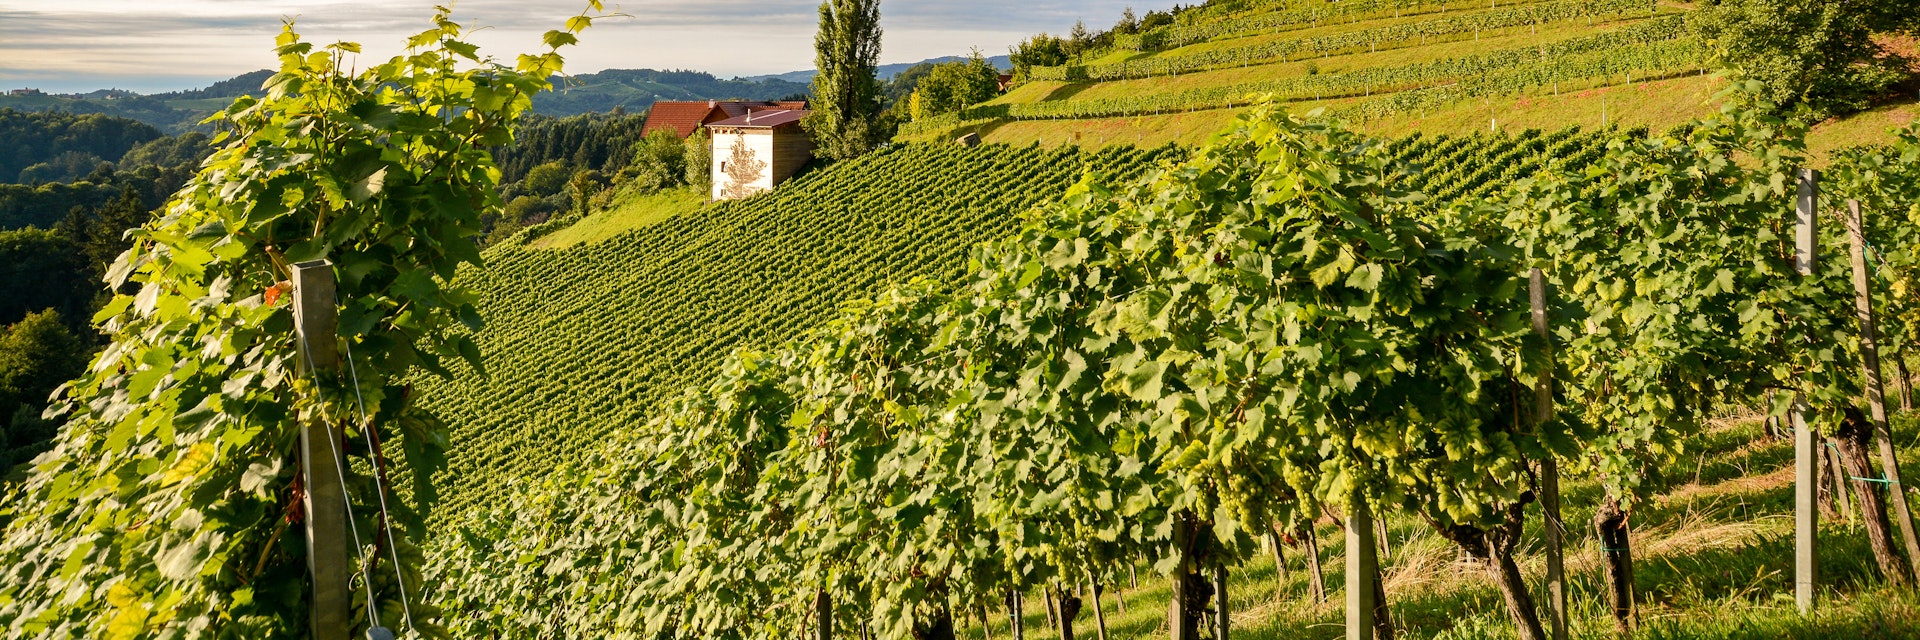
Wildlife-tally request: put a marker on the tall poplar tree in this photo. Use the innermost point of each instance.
(846, 91)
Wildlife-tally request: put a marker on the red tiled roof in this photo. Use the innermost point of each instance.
(764, 119)
(682, 118)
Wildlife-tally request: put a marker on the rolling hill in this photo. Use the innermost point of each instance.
(633, 90)
(1391, 68)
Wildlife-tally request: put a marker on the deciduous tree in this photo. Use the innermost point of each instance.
(846, 91)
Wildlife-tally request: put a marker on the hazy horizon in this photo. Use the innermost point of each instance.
(165, 45)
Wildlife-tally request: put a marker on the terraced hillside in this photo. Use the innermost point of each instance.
(584, 339)
(1381, 63)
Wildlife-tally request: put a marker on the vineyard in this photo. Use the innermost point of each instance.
(589, 337)
(1529, 16)
(1363, 61)
(1648, 380)
(1146, 380)
(1655, 47)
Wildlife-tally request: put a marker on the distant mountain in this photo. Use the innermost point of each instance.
(631, 89)
(886, 71)
(230, 88)
(637, 89)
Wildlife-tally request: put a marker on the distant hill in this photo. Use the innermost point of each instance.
(1388, 67)
(637, 89)
(631, 89)
(886, 71)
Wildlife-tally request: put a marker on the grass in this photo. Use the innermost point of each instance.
(1713, 562)
(628, 211)
(1658, 104)
(1332, 65)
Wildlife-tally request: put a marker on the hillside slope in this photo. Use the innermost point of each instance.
(1377, 64)
(583, 340)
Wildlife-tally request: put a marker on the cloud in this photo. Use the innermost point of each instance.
(152, 45)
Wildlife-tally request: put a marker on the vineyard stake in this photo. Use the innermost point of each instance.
(1876, 398)
(1016, 612)
(1549, 469)
(1360, 571)
(1806, 510)
(316, 327)
(1099, 615)
(1221, 614)
(1841, 502)
(823, 609)
(1806, 467)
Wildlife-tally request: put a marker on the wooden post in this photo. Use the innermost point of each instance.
(1221, 613)
(823, 609)
(1360, 571)
(1806, 510)
(1016, 612)
(1876, 398)
(1549, 471)
(1839, 469)
(1316, 578)
(1805, 229)
(329, 554)
(1279, 557)
(1099, 616)
(1806, 464)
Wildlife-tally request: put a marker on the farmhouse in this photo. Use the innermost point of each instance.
(683, 118)
(757, 151)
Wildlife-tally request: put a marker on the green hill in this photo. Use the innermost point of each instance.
(582, 340)
(1391, 68)
(633, 90)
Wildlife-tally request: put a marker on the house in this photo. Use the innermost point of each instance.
(25, 92)
(1003, 82)
(757, 151)
(683, 118)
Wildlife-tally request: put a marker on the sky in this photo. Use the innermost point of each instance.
(149, 46)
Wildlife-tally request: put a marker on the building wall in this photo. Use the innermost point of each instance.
(792, 148)
(759, 141)
(785, 151)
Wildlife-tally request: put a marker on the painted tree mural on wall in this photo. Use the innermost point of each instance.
(743, 168)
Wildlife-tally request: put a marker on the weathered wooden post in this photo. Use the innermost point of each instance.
(1221, 613)
(1099, 616)
(329, 557)
(1806, 466)
(1876, 398)
(1016, 613)
(823, 610)
(1549, 469)
(1360, 570)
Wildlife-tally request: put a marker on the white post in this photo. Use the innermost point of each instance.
(1806, 464)
(1549, 471)
(1360, 569)
(316, 331)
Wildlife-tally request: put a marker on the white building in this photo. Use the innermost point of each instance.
(757, 151)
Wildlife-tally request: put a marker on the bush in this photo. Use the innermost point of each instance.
(1040, 51)
(1820, 55)
(547, 179)
(953, 86)
(37, 355)
(659, 162)
(699, 158)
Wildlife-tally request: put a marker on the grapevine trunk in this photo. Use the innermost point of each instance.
(1610, 523)
(1853, 435)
